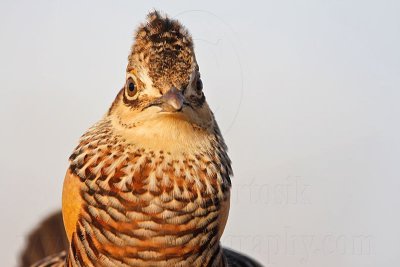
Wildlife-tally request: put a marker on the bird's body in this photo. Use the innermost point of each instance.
(149, 184)
(128, 204)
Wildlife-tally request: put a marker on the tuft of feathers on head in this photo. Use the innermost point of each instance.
(164, 47)
(160, 28)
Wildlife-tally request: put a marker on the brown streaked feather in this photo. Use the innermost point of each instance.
(223, 216)
(53, 226)
(56, 260)
(142, 206)
(166, 47)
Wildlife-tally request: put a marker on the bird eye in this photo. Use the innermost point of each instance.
(130, 87)
(199, 85)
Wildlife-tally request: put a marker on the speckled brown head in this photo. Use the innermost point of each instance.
(164, 48)
(162, 78)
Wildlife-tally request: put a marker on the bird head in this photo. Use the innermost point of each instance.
(163, 85)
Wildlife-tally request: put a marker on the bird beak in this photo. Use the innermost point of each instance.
(172, 100)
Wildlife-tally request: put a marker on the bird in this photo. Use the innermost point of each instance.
(149, 183)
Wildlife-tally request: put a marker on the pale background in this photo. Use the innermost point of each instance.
(306, 93)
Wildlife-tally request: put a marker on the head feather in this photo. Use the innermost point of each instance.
(164, 48)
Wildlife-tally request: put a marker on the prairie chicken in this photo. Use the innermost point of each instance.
(149, 184)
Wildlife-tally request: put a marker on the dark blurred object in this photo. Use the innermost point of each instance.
(236, 259)
(47, 239)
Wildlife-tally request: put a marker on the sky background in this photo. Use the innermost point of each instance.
(306, 94)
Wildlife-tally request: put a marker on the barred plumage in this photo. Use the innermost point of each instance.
(56, 260)
(148, 185)
(146, 207)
